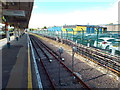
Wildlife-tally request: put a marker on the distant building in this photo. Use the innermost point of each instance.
(83, 28)
(55, 28)
(74, 29)
(113, 27)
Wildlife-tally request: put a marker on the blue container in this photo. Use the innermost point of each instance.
(92, 30)
(100, 30)
(49, 29)
(88, 30)
(55, 28)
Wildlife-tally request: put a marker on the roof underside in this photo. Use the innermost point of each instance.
(18, 21)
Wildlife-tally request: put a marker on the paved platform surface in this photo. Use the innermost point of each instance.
(14, 64)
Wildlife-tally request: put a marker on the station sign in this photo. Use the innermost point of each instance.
(8, 12)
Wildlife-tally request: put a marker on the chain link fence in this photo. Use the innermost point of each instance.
(96, 39)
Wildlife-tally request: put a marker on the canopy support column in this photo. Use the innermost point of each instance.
(7, 35)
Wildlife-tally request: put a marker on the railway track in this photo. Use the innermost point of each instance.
(99, 57)
(58, 74)
(95, 55)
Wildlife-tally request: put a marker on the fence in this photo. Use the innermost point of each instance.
(79, 37)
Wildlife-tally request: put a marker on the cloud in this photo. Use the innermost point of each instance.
(74, 0)
(93, 17)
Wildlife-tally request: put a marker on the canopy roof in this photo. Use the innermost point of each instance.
(17, 13)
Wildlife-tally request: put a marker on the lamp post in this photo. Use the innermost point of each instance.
(66, 34)
(82, 36)
(7, 35)
(73, 35)
(97, 35)
(60, 52)
(61, 36)
(74, 50)
(88, 43)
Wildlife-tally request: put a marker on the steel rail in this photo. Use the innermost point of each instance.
(100, 63)
(106, 57)
(92, 59)
(54, 55)
(52, 83)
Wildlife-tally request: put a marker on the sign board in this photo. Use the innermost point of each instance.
(3, 19)
(13, 12)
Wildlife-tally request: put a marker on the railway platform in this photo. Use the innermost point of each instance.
(14, 63)
(22, 66)
(92, 74)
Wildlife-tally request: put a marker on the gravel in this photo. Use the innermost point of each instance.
(90, 75)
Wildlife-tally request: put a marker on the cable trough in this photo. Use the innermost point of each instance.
(57, 73)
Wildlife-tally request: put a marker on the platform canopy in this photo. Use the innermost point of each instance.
(17, 12)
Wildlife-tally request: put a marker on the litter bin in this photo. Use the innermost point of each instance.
(8, 44)
(17, 38)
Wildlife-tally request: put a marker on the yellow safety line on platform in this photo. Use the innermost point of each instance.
(29, 71)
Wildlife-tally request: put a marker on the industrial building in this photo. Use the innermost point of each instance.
(113, 27)
(78, 28)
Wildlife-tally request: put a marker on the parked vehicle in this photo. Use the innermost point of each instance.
(91, 38)
(104, 43)
(115, 46)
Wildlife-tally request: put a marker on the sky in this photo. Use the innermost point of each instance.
(71, 12)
